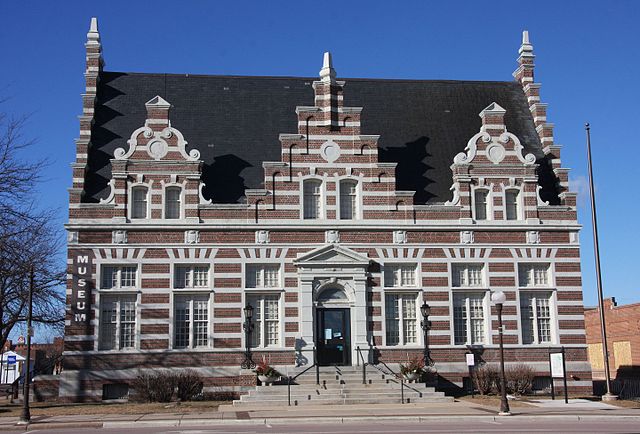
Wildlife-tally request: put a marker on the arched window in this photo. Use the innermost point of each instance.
(139, 202)
(312, 194)
(511, 204)
(348, 197)
(172, 202)
(480, 199)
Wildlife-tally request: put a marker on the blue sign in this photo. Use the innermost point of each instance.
(11, 360)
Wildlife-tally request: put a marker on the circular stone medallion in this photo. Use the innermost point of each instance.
(330, 151)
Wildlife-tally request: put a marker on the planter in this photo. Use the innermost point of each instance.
(267, 381)
(411, 376)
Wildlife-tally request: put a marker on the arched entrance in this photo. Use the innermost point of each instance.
(333, 327)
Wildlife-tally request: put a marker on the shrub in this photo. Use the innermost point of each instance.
(189, 385)
(519, 379)
(414, 365)
(263, 368)
(485, 378)
(155, 387)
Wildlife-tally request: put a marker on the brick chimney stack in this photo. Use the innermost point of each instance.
(329, 94)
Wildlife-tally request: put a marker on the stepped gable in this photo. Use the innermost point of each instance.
(235, 123)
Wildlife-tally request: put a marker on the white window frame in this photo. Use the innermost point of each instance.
(550, 296)
(458, 265)
(355, 212)
(165, 202)
(118, 298)
(132, 188)
(488, 205)
(260, 296)
(119, 267)
(190, 278)
(518, 203)
(191, 297)
(485, 317)
(261, 268)
(321, 198)
(530, 271)
(396, 269)
(401, 320)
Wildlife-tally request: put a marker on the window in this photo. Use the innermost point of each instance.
(118, 276)
(191, 276)
(468, 318)
(263, 276)
(511, 204)
(172, 202)
(401, 319)
(467, 275)
(535, 315)
(348, 196)
(533, 275)
(191, 321)
(396, 276)
(139, 202)
(266, 325)
(311, 192)
(117, 322)
(480, 197)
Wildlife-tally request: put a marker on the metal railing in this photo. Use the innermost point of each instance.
(317, 370)
(395, 379)
(364, 365)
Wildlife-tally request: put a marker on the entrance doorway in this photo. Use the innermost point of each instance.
(333, 335)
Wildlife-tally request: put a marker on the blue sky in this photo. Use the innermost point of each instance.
(586, 62)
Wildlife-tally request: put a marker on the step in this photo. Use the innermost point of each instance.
(342, 401)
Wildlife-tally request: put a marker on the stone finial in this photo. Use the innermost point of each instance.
(327, 73)
(526, 49)
(493, 114)
(93, 37)
(158, 102)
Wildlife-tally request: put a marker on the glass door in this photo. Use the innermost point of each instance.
(333, 337)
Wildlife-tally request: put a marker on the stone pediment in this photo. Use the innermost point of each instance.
(332, 254)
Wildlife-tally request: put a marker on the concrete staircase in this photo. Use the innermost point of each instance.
(340, 385)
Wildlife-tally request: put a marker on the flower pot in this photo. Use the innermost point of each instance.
(267, 380)
(411, 376)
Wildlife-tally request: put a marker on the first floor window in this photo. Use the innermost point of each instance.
(191, 326)
(469, 318)
(401, 319)
(533, 275)
(535, 315)
(467, 275)
(139, 203)
(172, 202)
(511, 204)
(191, 276)
(118, 276)
(266, 320)
(311, 198)
(263, 276)
(117, 322)
(480, 199)
(348, 195)
(399, 275)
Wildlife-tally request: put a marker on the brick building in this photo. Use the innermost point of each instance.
(623, 339)
(334, 207)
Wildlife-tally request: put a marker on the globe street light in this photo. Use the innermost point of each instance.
(425, 310)
(498, 298)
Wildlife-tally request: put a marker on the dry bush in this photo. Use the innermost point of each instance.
(189, 384)
(485, 378)
(155, 387)
(519, 379)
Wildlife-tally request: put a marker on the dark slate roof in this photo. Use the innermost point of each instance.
(235, 121)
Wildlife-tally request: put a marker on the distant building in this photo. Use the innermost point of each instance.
(623, 339)
(335, 208)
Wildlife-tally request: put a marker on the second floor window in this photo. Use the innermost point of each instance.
(534, 275)
(118, 276)
(172, 202)
(311, 198)
(401, 275)
(480, 199)
(117, 322)
(191, 276)
(467, 275)
(348, 197)
(511, 204)
(263, 276)
(139, 202)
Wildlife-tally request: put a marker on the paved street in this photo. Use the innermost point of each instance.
(444, 426)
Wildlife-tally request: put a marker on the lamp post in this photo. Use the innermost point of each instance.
(498, 298)
(25, 417)
(248, 362)
(425, 310)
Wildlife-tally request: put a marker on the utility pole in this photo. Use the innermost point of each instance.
(25, 418)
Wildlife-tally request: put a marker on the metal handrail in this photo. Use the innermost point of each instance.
(315, 365)
(397, 376)
(364, 365)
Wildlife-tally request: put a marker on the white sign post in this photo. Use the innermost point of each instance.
(558, 368)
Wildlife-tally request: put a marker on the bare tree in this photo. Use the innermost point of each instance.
(29, 238)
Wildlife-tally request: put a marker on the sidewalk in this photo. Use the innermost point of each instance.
(229, 415)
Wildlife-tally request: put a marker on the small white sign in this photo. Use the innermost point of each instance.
(471, 359)
(327, 334)
(557, 370)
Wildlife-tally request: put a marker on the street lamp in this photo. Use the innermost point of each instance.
(498, 298)
(248, 362)
(425, 310)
